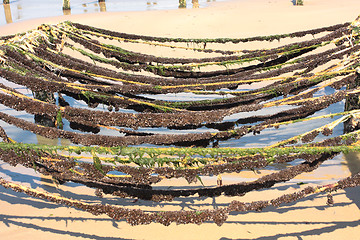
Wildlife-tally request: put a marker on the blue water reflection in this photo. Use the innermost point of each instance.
(23, 10)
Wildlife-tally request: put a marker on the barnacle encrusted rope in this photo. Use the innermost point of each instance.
(219, 216)
(60, 75)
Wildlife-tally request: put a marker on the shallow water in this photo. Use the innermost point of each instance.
(24, 10)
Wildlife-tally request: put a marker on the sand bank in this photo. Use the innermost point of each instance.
(25, 217)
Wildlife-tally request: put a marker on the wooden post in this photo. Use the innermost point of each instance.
(7, 11)
(66, 4)
(6, 1)
(182, 3)
(102, 5)
(44, 120)
(353, 103)
(299, 2)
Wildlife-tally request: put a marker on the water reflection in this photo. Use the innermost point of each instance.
(66, 11)
(23, 10)
(353, 162)
(19, 11)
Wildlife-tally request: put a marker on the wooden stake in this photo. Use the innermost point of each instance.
(352, 103)
(66, 4)
(7, 11)
(182, 3)
(102, 5)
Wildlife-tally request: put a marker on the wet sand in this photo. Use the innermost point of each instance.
(23, 217)
(237, 18)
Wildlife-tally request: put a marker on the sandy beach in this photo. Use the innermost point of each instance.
(238, 18)
(23, 217)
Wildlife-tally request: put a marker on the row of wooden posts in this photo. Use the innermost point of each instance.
(182, 3)
(66, 3)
